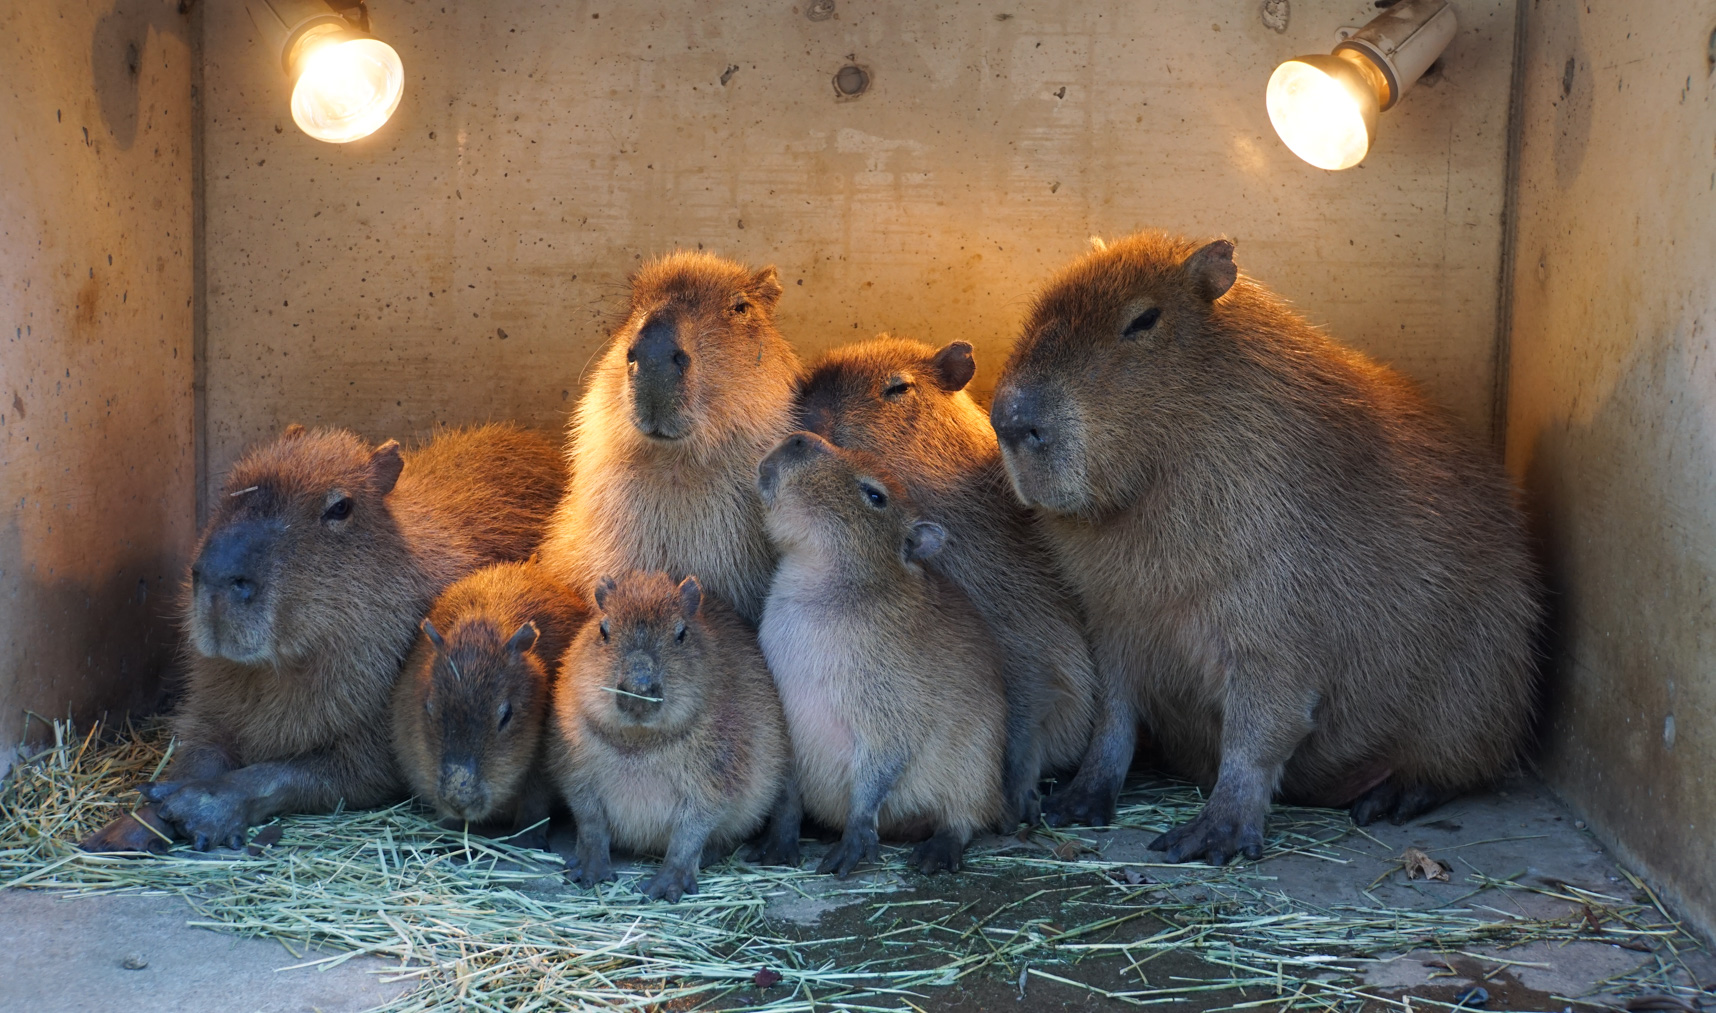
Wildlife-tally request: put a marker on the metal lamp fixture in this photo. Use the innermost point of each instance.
(1325, 107)
(345, 81)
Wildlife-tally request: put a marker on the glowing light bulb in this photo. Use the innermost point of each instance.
(1324, 109)
(346, 88)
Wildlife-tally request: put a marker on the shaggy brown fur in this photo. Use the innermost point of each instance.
(906, 403)
(694, 389)
(305, 593)
(890, 681)
(1307, 580)
(672, 736)
(470, 710)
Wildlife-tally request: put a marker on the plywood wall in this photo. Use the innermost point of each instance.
(1612, 417)
(97, 470)
(465, 262)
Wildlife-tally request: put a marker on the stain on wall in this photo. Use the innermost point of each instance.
(1612, 417)
(97, 472)
(465, 262)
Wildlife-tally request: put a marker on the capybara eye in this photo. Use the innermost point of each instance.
(877, 497)
(602, 628)
(897, 388)
(339, 510)
(631, 356)
(1142, 322)
(505, 716)
(741, 307)
(679, 634)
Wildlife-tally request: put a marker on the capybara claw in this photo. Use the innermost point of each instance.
(1212, 839)
(852, 850)
(670, 884)
(1078, 808)
(940, 853)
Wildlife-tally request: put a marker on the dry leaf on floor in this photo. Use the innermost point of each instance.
(1069, 849)
(1419, 865)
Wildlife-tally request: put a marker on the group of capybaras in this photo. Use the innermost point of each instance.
(750, 591)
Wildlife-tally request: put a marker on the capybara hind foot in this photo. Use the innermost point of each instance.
(135, 833)
(1215, 836)
(1396, 801)
(671, 883)
(1080, 805)
(856, 846)
(941, 853)
(774, 847)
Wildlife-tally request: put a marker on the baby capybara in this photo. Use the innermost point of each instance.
(671, 734)
(471, 707)
(322, 555)
(694, 389)
(889, 679)
(906, 403)
(1307, 580)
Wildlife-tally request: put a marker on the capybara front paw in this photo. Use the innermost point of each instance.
(773, 849)
(1025, 807)
(853, 849)
(1079, 807)
(208, 814)
(671, 883)
(591, 871)
(940, 853)
(1397, 803)
(1213, 838)
(158, 791)
(128, 833)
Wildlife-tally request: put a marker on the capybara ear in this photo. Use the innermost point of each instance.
(1211, 271)
(433, 634)
(765, 287)
(292, 432)
(954, 366)
(923, 540)
(604, 587)
(690, 596)
(385, 465)
(523, 640)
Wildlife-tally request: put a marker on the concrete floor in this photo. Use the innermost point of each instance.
(71, 953)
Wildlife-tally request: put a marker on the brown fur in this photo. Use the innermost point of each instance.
(288, 693)
(639, 500)
(469, 712)
(690, 775)
(1306, 579)
(889, 679)
(906, 403)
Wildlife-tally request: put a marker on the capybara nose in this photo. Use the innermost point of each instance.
(1017, 419)
(459, 782)
(656, 351)
(233, 561)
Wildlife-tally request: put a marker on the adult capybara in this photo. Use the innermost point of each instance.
(694, 389)
(471, 709)
(1305, 578)
(906, 403)
(889, 678)
(322, 555)
(671, 734)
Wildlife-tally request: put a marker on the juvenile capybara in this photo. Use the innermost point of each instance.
(888, 676)
(671, 736)
(322, 554)
(694, 389)
(1308, 581)
(906, 403)
(471, 708)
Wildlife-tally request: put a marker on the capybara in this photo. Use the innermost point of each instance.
(1306, 579)
(906, 403)
(322, 554)
(471, 707)
(671, 736)
(889, 678)
(695, 387)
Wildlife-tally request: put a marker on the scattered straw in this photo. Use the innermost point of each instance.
(491, 926)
